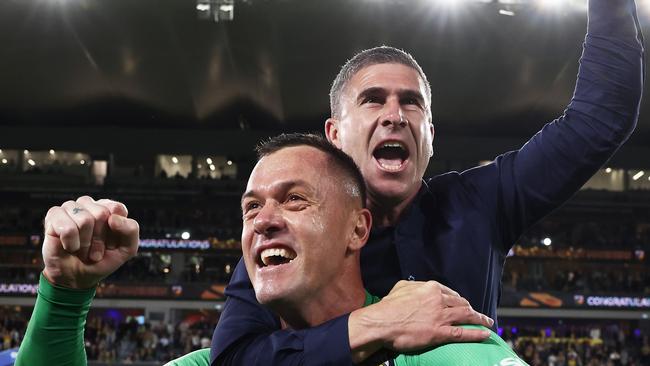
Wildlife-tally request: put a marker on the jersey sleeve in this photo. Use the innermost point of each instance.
(249, 334)
(524, 185)
(55, 334)
(490, 352)
(197, 358)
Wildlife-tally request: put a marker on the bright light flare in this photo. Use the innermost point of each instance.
(31, 162)
(185, 235)
(638, 175)
(608, 170)
(174, 160)
(552, 5)
(547, 241)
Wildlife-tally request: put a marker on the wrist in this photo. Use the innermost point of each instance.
(57, 278)
(367, 334)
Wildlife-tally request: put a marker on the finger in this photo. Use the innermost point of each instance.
(446, 290)
(458, 334)
(454, 301)
(114, 207)
(127, 233)
(58, 225)
(100, 230)
(85, 223)
(467, 315)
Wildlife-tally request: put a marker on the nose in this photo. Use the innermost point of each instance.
(393, 115)
(268, 220)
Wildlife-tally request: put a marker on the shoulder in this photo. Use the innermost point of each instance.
(197, 358)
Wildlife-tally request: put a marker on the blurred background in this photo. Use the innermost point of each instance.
(159, 104)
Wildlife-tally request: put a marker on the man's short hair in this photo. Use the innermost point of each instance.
(369, 57)
(340, 159)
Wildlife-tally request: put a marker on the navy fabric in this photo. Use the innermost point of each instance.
(461, 225)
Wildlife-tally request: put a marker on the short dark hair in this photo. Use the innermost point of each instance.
(340, 159)
(369, 57)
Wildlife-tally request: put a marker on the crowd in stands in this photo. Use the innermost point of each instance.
(564, 345)
(606, 279)
(130, 341)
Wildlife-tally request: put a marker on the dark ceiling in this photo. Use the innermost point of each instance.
(152, 64)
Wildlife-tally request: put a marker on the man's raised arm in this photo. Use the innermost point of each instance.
(527, 184)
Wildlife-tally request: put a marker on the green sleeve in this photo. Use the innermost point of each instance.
(197, 358)
(492, 351)
(55, 334)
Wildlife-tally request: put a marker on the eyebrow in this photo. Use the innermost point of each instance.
(379, 91)
(280, 186)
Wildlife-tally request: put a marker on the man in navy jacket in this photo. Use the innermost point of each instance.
(455, 228)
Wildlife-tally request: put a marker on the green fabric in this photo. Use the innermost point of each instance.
(55, 334)
(493, 351)
(197, 358)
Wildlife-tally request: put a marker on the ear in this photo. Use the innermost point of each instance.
(433, 134)
(332, 131)
(361, 229)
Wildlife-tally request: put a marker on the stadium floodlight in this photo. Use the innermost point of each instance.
(31, 162)
(4, 161)
(185, 235)
(174, 160)
(212, 167)
(509, 13)
(638, 175)
(608, 170)
(51, 151)
(208, 160)
(229, 162)
(215, 10)
(82, 162)
(547, 241)
(26, 152)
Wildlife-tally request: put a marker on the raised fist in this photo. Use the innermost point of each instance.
(86, 240)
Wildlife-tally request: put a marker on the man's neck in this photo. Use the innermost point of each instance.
(332, 303)
(387, 211)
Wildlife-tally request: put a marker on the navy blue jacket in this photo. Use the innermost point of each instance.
(461, 225)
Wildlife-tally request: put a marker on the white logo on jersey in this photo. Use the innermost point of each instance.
(511, 361)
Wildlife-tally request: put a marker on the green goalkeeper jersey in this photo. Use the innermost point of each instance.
(491, 352)
(55, 337)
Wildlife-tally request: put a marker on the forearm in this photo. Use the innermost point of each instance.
(610, 81)
(55, 332)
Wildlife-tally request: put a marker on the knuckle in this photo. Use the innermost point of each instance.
(456, 333)
(85, 198)
(467, 310)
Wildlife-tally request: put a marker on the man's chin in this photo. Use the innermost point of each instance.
(390, 190)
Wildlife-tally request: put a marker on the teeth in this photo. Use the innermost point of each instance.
(390, 167)
(276, 252)
(394, 144)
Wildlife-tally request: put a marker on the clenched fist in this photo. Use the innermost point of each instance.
(86, 240)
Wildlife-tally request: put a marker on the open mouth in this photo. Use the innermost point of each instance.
(391, 155)
(275, 257)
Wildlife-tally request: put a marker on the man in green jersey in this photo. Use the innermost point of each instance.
(304, 223)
